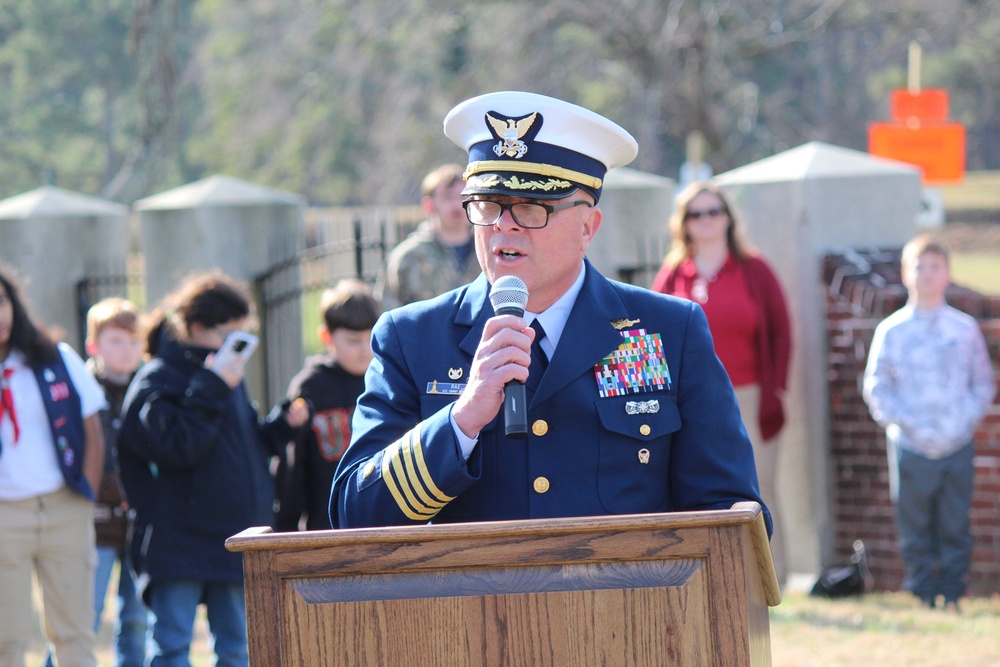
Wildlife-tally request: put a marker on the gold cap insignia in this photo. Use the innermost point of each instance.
(624, 323)
(510, 131)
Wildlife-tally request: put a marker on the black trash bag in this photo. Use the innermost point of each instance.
(846, 580)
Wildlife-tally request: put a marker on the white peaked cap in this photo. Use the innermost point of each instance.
(529, 145)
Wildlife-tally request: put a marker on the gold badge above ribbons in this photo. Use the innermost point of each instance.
(624, 323)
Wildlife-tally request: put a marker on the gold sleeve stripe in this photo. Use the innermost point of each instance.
(532, 168)
(387, 477)
(406, 484)
(417, 453)
(414, 481)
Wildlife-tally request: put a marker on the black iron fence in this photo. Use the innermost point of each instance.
(102, 282)
(339, 243)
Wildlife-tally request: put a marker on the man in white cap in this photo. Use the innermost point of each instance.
(628, 408)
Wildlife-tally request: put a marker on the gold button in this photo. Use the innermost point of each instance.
(541, 485)
(540, 427)
(644, 429)
(369, 469)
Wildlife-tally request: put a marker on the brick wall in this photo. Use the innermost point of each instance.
(863, 287)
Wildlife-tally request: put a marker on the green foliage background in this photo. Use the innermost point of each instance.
(342, 101)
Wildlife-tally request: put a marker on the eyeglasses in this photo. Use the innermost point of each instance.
(530, 215)
(711, 213)
(707, 213)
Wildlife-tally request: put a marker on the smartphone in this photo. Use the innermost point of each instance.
(236, 349)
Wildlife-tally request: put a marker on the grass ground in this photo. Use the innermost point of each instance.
(978, 271)
(978, 190)
(885, 629)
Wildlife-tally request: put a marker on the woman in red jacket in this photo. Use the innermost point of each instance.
(711, 264)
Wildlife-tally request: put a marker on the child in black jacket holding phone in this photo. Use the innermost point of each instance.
(194, 461)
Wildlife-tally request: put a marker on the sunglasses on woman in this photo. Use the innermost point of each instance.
(711, 213)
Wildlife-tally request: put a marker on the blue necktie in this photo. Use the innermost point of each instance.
(539, 361)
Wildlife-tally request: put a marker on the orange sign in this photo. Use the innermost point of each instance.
(938, 149)
(929, 105)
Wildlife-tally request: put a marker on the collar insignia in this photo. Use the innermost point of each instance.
(624, 323)
(511, 131)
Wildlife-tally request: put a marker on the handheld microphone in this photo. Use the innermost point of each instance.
(509, 296)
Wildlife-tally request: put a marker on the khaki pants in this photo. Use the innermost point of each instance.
(52, 534)
(765, 456)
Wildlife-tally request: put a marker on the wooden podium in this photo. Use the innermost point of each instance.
(687, 588)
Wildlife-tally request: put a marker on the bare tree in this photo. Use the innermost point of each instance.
(153, 48)
(696, 66)
(343, 101)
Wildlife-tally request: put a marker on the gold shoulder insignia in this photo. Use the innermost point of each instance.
(624, 323)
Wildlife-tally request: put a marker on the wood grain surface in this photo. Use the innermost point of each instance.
(686, 589)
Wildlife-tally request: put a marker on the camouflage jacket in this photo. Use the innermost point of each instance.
(420, 267)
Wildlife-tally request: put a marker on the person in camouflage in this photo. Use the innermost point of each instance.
(440, 254)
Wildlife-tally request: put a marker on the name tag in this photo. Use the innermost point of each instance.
(447, 388)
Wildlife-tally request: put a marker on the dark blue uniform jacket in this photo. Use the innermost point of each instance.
(676, 445)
